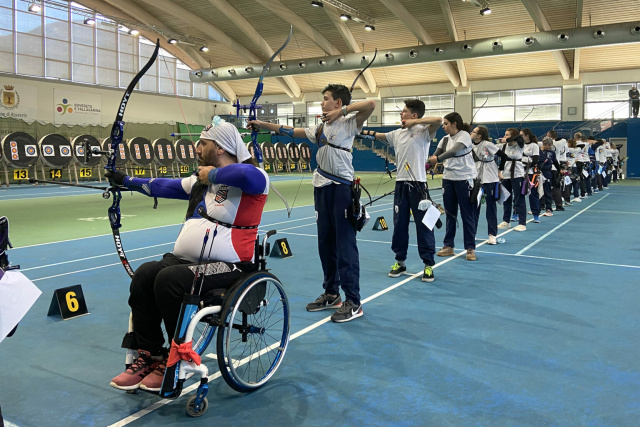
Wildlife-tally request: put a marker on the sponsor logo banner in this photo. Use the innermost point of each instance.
(76, 107)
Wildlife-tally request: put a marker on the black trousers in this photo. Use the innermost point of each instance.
(157, 290)
(635, 105)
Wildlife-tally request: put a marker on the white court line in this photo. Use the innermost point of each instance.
(92, 268)
(564, 260)
(93, 257)
(616, 212)
(550, 232)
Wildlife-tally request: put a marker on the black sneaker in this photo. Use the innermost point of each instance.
(397, 270)
(559, 209)
(324, 302)
(347, 312)
(428, 276)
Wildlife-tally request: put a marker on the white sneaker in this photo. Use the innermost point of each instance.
(529, 213)
(504, 224)
(491, 240)
(577, 199)
(520, 228)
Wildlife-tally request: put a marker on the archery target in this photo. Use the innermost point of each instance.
(250, 148)
(78, 149)
(268, 152)
(140, 151)
(281, 152)
(305, 152)
(52, 147)
(293, 151)
(185, 151)
(122, 154)
(19, 150)
(163, 152)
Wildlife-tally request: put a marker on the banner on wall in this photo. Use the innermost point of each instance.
(76, 107)
(18, 101)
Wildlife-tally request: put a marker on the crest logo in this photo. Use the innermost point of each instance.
(10, 98)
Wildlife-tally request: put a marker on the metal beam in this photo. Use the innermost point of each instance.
(192, 20)
(241, 22)
(368, 84)
(292, 18)
(540, 20)
(576, 53)
(548, 41)
(186, 54)
(421, 34)
(453, 32)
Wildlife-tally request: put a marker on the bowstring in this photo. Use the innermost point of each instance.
(295, 39)
(175, 92)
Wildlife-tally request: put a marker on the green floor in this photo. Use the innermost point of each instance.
(54, 218)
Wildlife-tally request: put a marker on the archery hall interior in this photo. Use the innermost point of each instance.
(165, 164)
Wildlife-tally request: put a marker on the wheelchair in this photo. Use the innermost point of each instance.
(252, 318)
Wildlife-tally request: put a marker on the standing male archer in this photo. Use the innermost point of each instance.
(411, 144)
(333, 198)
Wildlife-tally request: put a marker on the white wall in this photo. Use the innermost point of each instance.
(142, 107)
(155, 108)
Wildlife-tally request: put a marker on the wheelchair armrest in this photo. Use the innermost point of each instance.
(264, 242)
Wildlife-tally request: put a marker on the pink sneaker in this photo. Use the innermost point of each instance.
(153, 381)
(131, 378)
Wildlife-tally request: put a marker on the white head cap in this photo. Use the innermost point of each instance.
(227, 137)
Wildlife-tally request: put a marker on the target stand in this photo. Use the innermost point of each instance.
(269, 156)
(185, 156)
(86, 156)
(141, 155)
(282, 157)
(19, 152)
(56, 154)
(164, 157)
(305, 157)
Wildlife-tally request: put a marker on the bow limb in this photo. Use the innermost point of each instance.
(363, 70)
(253, 116)
(117, 132)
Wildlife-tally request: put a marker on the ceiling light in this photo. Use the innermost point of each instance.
(369, 27)
(89, 21)
(317, 4)
(345, 17)
(35, 8)
(485, 11)
(172, 41)
(133, 32)
(204, 49)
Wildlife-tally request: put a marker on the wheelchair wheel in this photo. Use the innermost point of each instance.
(191, 407)
(254, 334)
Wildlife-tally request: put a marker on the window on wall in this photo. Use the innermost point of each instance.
(56, 43)
(284, 113)
(435, 106)
(7, 34)
(607, 101)
(314, 113)
(517, 105)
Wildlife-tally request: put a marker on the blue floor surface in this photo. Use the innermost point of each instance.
(541, 330)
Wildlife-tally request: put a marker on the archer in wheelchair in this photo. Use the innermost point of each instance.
(215, 278)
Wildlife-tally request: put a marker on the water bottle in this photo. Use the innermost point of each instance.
(500, 240)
